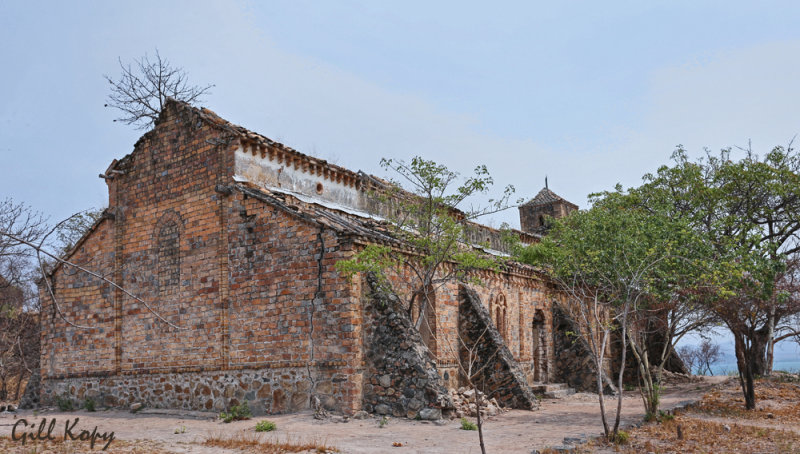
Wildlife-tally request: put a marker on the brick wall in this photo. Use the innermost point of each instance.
(84, 301)
(246, 286)
(520, 297)
(247, 289)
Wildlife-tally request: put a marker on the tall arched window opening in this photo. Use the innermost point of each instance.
(427, 328)
(168, 255)
(539, 349)
(500, 315)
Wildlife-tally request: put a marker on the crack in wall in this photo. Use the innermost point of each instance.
(312, 312)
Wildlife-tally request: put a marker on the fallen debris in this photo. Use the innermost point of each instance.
(464, 401)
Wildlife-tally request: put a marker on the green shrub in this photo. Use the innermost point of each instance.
(665, 416)
(265, 426)
(622, 437)
(64, 403)
(237, 413)
(89, 404)
(468, 425)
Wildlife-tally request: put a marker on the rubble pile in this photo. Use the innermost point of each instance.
(464, 401)
(673, 378)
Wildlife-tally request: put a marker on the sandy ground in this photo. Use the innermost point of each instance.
(515, 431)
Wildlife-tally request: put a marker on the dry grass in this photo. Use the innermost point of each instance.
(701, 436)
(775, 399)
(59, 446)
(252, 442)
(719, 423)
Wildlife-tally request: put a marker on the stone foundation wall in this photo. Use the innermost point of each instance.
(266, 391)
(501, 376)
(400, 377)
(30, 398)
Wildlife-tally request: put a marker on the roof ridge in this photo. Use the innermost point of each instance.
(254, 138)
(546, 196)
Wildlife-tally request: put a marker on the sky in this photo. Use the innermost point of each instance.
(589, 94)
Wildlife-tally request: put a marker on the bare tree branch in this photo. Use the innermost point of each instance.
(141, 91)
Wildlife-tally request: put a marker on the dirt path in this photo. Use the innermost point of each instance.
(515, 431)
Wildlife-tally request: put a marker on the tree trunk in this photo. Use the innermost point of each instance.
(659, 339)
(761, 363)
(600, 373)
(648, 390)
(621, 372)
(745, 358)
(480, 421)
(770, 354)
(19, 385)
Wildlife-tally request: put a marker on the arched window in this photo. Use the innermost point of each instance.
(427, 328)
(500, 315)
(168, 236)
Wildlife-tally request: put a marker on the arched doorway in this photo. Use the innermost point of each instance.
(539, 349)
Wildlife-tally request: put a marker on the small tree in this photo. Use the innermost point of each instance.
(429, 222)
(688, 355)
(142, 90)
(707, 354)
(470, 368)
(699, 358)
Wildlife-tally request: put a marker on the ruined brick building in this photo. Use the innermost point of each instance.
(223, 244)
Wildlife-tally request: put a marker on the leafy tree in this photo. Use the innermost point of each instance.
(142, 90)
(788, 292)
(748, 213)
(622, 270)
(72, 229)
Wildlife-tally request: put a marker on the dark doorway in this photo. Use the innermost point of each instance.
(539, 347)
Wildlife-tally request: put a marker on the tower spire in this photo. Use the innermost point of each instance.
(545, 182)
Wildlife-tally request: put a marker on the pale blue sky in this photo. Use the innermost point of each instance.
(589, 93)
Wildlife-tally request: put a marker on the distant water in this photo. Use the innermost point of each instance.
(723, 368)
(787, 354)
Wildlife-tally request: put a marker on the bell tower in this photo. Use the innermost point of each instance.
(534, 213)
